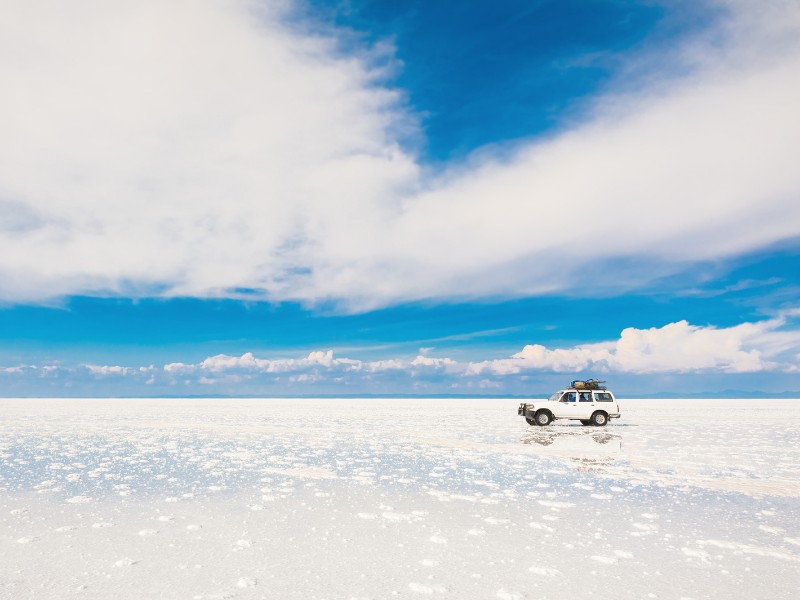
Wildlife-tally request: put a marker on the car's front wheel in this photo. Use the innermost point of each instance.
(599, 419)
(542, 418)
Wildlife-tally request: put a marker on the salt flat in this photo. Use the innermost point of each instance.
(341, 499)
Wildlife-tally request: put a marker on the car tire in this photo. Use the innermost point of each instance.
(530, 421)
(542, 418)
(599, 419)
(586, 421)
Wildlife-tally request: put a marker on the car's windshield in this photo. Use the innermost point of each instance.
(555, 397)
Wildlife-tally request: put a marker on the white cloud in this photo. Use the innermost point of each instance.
(205, 148)
(674, 348)
(248, 362)
(681, 347)
(536, 356)
(315, 360)
(178, 368)
(771, 346)
(381, 365)
(222, 362)
(429, 361)
(110, 370)
(190, 146)
(106, 370)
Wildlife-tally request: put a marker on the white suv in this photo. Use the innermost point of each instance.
(585, 401)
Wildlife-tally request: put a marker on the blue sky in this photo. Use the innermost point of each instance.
(482, 73)
(399, 198)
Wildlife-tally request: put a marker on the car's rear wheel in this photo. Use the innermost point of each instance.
(599, 419)
(542, 418)
(586, 421)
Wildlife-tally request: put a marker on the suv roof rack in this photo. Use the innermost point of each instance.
(588, 384)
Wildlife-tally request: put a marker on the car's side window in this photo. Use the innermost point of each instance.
(603, 397)
(586, 397)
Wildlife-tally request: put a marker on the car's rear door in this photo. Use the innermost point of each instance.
(586, 405)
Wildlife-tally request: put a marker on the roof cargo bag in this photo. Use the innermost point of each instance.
(589, 384)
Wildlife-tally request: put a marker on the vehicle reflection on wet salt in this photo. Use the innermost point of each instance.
(583, 449)
(576, 439)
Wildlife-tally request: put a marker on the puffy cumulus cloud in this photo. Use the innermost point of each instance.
(211, 149)
(116, 370)
(33, 371)
(319, 368)
(680, 347)
(248, 362)
(770, 346)
(381, 365)
(222, 362)
(538, 357)
(428, 361)
(317, 360)
(674, 348)
(105, 370)
(178, 368)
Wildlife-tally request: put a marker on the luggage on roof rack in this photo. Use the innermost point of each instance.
(589, 384)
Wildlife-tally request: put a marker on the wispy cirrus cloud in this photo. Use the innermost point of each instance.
(214, 149)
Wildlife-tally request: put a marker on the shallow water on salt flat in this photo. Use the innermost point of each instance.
(396, 498)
